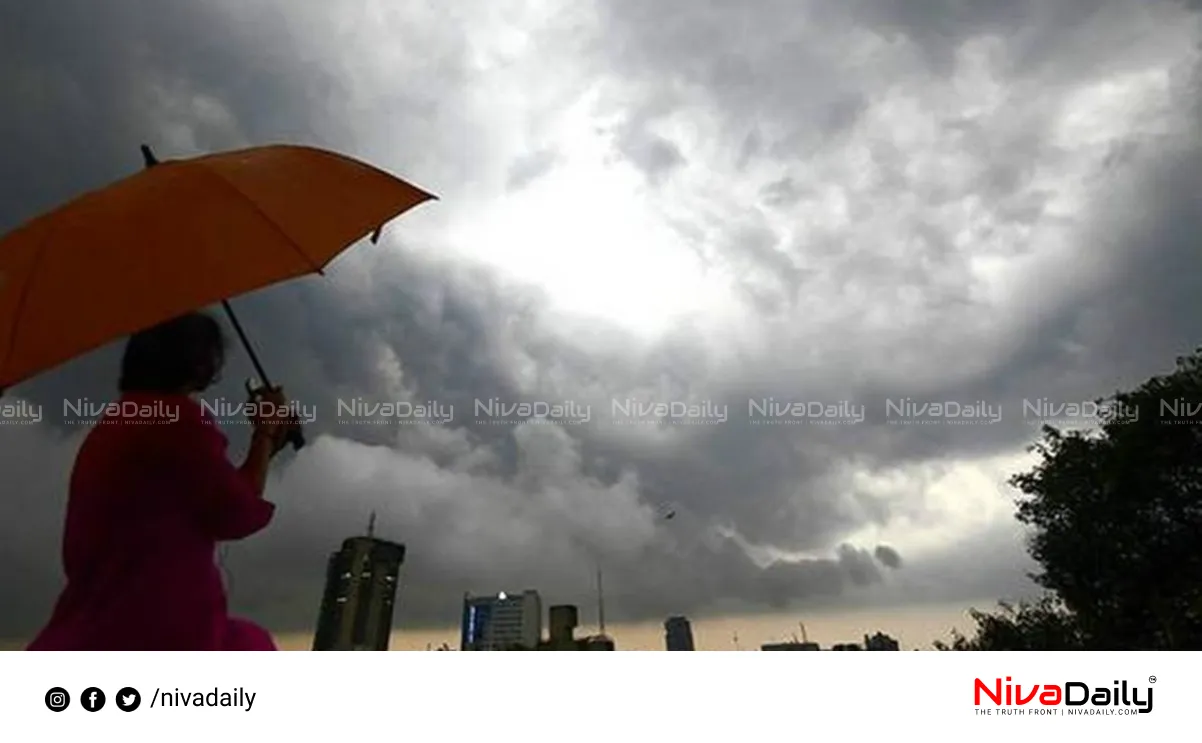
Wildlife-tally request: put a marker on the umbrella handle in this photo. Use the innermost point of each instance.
(295, 435)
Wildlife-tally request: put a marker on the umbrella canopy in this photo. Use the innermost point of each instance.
(178, 237)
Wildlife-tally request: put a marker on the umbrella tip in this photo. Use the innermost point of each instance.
(148, 157)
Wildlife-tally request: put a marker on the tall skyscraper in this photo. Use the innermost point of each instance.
(678, 634)
(502, 622)
(565, 619)
(360, 594)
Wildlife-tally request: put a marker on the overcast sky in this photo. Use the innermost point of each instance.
(847, 203)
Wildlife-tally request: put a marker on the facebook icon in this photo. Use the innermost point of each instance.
(92, 699)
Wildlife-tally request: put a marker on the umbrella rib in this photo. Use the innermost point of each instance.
(229, 186)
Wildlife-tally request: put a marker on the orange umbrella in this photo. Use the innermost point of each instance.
(176, 237)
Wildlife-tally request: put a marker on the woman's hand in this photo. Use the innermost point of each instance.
(273, 417)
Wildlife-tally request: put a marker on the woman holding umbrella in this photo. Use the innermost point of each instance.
(150, 498)
(148, 503)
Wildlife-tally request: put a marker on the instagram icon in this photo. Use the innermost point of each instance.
(57, 699)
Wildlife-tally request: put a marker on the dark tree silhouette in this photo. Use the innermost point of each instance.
(1116, 520)
(1040, 625)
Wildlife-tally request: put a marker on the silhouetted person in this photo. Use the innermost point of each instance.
(150, 498)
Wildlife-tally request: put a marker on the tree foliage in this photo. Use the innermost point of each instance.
(1116, 521)
(1041, 625)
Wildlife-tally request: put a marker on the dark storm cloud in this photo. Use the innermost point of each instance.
(992, 565)
(462, 518)
(83, 88)
(654, 154)
(1058, 345)
(887, 556)
(484, 507)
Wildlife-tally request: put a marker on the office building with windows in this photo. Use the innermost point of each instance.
(678, 634)
(502, 622)
(360, 594)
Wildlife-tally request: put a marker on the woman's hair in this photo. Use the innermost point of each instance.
(182, 354)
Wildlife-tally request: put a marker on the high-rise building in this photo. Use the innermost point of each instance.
(678, 634)
(360, 594)
(564, 619)
(502, 622)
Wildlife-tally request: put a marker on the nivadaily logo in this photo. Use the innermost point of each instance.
(1069, 697)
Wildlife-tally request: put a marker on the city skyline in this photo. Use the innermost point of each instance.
(358, 606)
(915, 630)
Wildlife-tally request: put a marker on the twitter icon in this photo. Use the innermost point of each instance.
(128, 699)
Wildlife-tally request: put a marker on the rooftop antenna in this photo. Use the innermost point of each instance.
(371, 525)
(600, 601)
(735, 639)
(805, 638)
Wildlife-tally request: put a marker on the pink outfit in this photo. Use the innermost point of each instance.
(149, 501)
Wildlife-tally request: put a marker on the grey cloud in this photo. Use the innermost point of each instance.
(36, 465)
(529, 168)
(781, 193)
(474, 534)
(887, 556)
(654, 154)
(983, 567)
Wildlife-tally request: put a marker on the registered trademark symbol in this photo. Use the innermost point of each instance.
(1151, 679)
